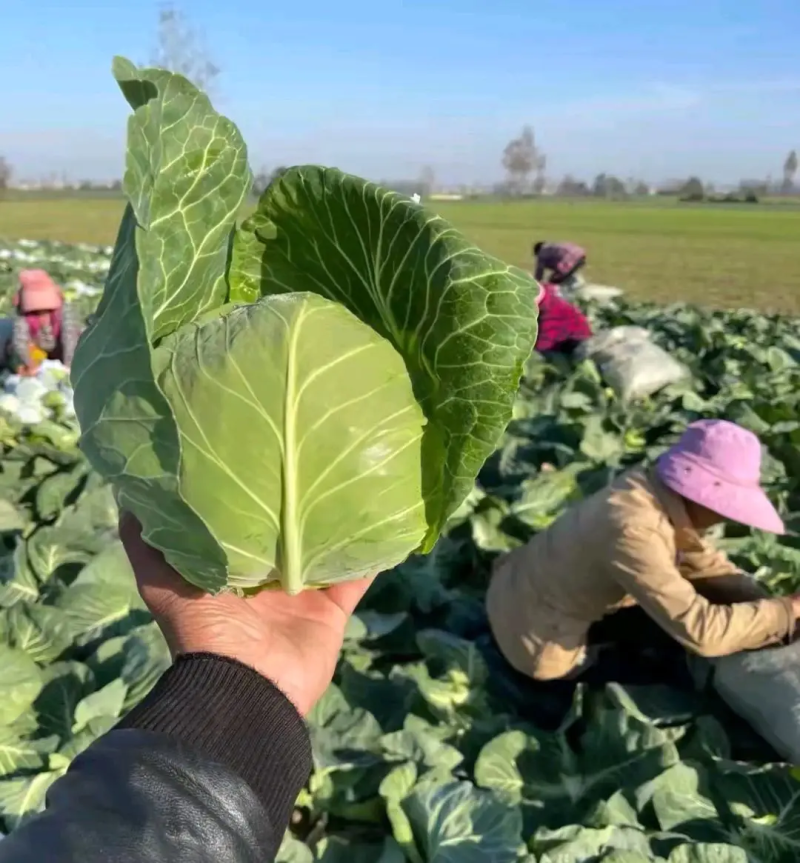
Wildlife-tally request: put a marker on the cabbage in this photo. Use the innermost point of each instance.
(302, 399)
(43, 395)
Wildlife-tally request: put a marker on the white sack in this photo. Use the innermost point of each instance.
(632, 365)
(763, 687)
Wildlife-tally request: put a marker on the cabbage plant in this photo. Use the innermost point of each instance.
(301, 398)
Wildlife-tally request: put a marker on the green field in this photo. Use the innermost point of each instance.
(712, 255)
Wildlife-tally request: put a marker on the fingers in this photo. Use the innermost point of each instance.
(153, 573)
(130, 530)
(156, 578)
(145, 560)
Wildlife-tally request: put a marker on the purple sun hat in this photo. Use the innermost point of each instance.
(718, 465)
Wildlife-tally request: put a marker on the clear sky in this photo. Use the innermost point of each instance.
(644, 88)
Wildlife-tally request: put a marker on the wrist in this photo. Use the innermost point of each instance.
(258, 659)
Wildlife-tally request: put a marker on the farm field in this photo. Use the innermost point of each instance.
(412, 739)
(418, 759)
(426, 748)
(726, 257)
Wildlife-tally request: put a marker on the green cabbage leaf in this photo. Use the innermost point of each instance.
(302, 398)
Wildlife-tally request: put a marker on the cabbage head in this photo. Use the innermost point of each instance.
(301, 398)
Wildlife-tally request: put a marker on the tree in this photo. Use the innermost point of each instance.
(599, 186)
(180, 48)
(569, 187)
(262, 180)
(789, 171)
(757, 187)
(540, 179)
(608, 186)
(521, 158)
(693, 189)
(5, 173)
(427, 181)
(260, 183)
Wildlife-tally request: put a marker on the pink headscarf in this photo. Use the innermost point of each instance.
(38, 292)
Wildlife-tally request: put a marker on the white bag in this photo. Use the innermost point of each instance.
(599, 293)
(763, 687)
(23, 396)
(630, 363)
(575, 288)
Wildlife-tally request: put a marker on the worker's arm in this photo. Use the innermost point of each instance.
(21, 345)
(206, 769)
(70, 332)
(644, 565)
(718, 579)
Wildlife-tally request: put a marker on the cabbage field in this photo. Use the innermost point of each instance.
(418, 756)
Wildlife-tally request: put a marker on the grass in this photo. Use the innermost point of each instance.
(71, 220)
(724, 256)
(721, 256)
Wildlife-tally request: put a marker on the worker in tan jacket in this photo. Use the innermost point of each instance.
(641, 542)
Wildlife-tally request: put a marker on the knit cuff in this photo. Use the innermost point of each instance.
(235, 717)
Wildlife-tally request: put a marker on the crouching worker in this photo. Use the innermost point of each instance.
(44, 327)
(631, 565)
(562, 326)
(558, 262)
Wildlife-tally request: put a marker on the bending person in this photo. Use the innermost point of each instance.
(44, 326)
(562, 326)
(640, 542)
(208, 767)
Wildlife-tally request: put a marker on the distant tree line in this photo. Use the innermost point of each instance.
(180, 48)
(790, 172)
(5, 174)
(524, 164)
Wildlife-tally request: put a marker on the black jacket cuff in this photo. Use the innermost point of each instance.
(234, 716)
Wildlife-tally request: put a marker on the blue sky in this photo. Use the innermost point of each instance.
(653, 89)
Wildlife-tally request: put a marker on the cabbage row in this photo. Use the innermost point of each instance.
(416, 757)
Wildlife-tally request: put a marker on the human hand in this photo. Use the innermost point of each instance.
(294, 641)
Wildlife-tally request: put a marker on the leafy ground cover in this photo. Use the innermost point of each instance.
(80, 269)
(418, 756)
(659, 251)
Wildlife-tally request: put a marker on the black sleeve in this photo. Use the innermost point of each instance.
(206, 769)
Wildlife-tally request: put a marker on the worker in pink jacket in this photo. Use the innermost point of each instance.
(562, 326)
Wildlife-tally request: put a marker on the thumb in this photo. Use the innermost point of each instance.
(154, 576)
